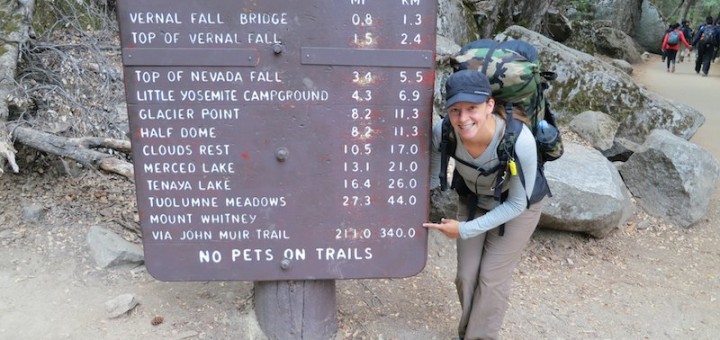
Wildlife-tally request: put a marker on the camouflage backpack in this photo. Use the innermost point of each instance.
(513, 69)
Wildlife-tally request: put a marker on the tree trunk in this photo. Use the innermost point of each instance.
(14, 16)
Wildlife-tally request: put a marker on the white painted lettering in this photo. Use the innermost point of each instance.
(268, 234)
(208, 95)
(206, 18)
(192, 235)
(285, 95)
(218, 185)
(206, 38)
(331, 254)
(216, 76)
(171, 219)
(155, 95)
(154, 18)
(263, 18)
(166, 114)
(157, 185)
(161, 235)
(218, 168)
(218, 114)
(255, 202)
(265, 77)
(234, 235)
(228, 218)
(167, 150)
(263, 38)
(155, 132)
(250, 255)
(183, 202)
(198, 132)
(214, 150)
(169, 168)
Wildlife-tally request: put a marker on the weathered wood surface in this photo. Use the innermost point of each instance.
(296, 309)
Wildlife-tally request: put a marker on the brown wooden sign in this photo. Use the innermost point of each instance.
(280, 140)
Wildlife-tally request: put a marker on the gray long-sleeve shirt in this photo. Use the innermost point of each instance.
(483, 186)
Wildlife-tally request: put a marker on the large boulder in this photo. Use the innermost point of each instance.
(588, 194)
(587, 83)
(456, 22)
(557, 26)
(445, 48)
(624, 14)
(617, 44)
(672, 178)
(650, 29)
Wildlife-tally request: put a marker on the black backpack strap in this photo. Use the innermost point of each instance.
(506, 149)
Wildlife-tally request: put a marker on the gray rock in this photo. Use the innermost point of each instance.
(120, 305)
(596, 127)
(624, 65)
(588, 193)
(672, 178)
(443, 204)
(110, 250)
(33, 213)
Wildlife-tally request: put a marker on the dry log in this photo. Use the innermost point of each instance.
(78, 149)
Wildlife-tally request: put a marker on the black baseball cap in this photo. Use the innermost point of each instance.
(470, 86)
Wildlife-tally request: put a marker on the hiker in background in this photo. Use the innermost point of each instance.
(664, 53)
(489, 246)
(687, 33)
(671, 45)
(707, 39)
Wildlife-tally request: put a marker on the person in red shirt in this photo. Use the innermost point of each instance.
(671, 45)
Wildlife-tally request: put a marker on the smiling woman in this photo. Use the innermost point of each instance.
(490, 244)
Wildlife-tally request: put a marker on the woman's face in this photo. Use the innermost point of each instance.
(469, 119)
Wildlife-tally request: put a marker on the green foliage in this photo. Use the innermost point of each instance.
(8, 23)
(82, 14)
(584, 8)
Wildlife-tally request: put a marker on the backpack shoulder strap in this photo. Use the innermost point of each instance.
(506, 149)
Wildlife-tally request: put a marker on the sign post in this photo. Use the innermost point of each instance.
(281, 141)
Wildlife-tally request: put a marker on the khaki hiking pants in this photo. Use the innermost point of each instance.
(485, 265)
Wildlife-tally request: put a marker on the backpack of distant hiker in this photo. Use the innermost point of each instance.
(513, 69)
(673, 38)
(709, 36)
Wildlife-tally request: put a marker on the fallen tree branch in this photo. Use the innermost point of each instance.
(78, 150)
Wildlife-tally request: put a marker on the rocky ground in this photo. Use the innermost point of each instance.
(646, 280)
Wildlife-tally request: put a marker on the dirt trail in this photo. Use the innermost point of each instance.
(647, 281)
(687, 87)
